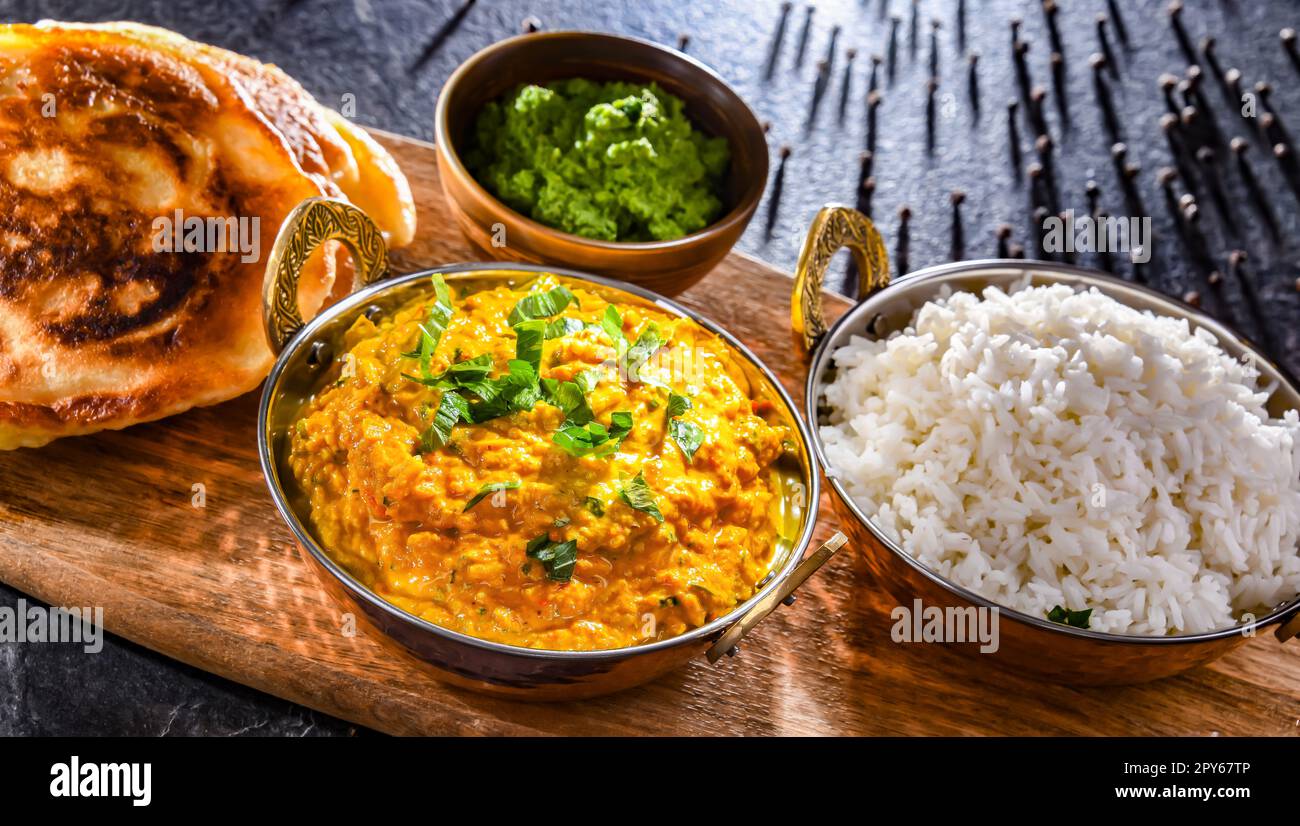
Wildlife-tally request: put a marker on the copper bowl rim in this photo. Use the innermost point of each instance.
(355, 301)
(857, 318)
(733, 221)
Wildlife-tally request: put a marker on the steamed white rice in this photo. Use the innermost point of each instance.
(1050, 447)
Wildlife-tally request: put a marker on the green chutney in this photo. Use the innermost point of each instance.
(613, 161)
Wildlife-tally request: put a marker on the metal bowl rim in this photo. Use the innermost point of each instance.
(696, 635)
(820, 360)
(736, 216)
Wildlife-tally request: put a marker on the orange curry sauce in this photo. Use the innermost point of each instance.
(388, 497)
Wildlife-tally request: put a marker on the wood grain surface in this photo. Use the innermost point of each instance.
(108, 521)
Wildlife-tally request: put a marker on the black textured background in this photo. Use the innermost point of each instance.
(379, 51)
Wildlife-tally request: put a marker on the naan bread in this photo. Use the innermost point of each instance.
(104, 129)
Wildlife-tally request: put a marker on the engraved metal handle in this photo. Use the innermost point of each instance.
(312, 223)
(733, 635)
(835, 227)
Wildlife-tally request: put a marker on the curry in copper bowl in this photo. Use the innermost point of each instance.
(545, 465)
(540, 483)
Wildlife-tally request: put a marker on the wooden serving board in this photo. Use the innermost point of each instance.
(108, 521)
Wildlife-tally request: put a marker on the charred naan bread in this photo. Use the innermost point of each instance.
(112, 138)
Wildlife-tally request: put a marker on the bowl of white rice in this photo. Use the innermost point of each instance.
(1115, 472)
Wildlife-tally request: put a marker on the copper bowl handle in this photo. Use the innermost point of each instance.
(835, 227)
(310, 224)
(785, 591)
(1289, 629)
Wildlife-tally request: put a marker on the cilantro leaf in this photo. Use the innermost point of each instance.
(677, 405)
(1076, 619)
(469, 370)
(594, 506)
(581, 440)
(517, 390)
(541, 305)
(688, 437)
(559, 558)
(514, 391)
(460, 374)
(620, 425)
(612, 323)
(561, 327)
(486, 490)
(434, 325)
(451, 409)
(639, 353)
(594, 438)
(588, 379)
(636, 494)
(529, 337)
(441, 292)
(568, 396)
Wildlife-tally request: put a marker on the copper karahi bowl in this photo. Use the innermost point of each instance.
(1031, 644)
(306, 358)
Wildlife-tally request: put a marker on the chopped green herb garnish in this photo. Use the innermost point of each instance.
(470, 394)
(541, 305)
(637, 494)
(612, 323)
(620, 425)
(487, 391)
(688, 437)
(594, 438)
(569, 397)
(594, 506)
(677, 405)
(561, 522)
(451, 409)
(639, 353)
(460, 374)
(529, 337)
(561, 327)
(515, 391)
(487, 490)
(470, 370)
(434, 325)
(588, 379)
(559, 558)
(583, 440)
(1077, 619)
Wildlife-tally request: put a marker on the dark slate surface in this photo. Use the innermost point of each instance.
(372, 49)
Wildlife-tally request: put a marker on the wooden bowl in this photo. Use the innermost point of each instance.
(663, 266)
